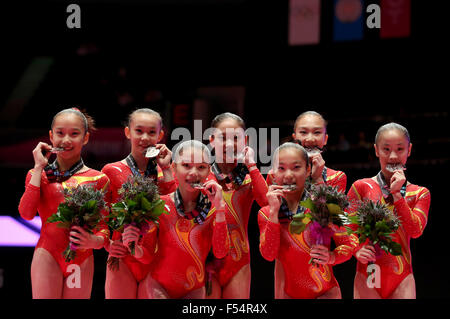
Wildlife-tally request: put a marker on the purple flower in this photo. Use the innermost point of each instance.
(320, 235)
(378, 251)
(144, 229)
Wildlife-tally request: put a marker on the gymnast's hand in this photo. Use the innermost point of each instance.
(117, 249)
(397, 181)
(214, 193)
(249, 155)
(130, 234)
(274, 195)
(366, 254)
(85, 240)
(41, 160)
(322, 255)
(164, 157)
(317, 164)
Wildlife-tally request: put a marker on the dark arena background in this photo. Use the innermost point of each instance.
(193, 59)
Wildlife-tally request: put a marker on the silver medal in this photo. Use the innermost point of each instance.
(395, 167)
(151, 152)
(290, 188)
(197, 186)
(313, 151)
(56, 150)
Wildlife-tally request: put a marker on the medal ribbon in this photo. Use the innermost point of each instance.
(285, 214)
(151, 170)
(54, 175)
(385, 190)
(201, 210)
(237, 175)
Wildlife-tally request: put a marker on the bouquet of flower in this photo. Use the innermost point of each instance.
(82, 207)
(138, 205)
(375, 222)
(326, 206)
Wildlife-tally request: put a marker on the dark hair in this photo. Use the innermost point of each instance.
(88, 121)
(392, 126)
(191, 144)
(314, 113)
(227, 115)
(292, 145)
(147, 111)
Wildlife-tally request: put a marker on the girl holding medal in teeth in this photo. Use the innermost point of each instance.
(295, 276)
(195, 223)
(310, 130)
(408, 201)
(44, 192)
(236, 171)
(148, 158)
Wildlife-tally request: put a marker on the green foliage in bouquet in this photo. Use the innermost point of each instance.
(139, 204)
(377, 223)
(326, 205)
(81, 207)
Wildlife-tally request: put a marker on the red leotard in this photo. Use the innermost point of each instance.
(334, 178)
(413, 213)
(239, 203)
(183, 245)
(302, 280)
(45, 200)
(118, 173)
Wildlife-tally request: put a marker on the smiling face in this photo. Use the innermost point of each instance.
(228, 140)
(290, 168)
(68, 132)
(310, 130)
(191, 166)
(392, 147)
(144, 130)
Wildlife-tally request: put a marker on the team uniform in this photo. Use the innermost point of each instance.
(45, 200)
(118, 173)
(183, 245)
(292, 251)
(412, 210)
(239, 200)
